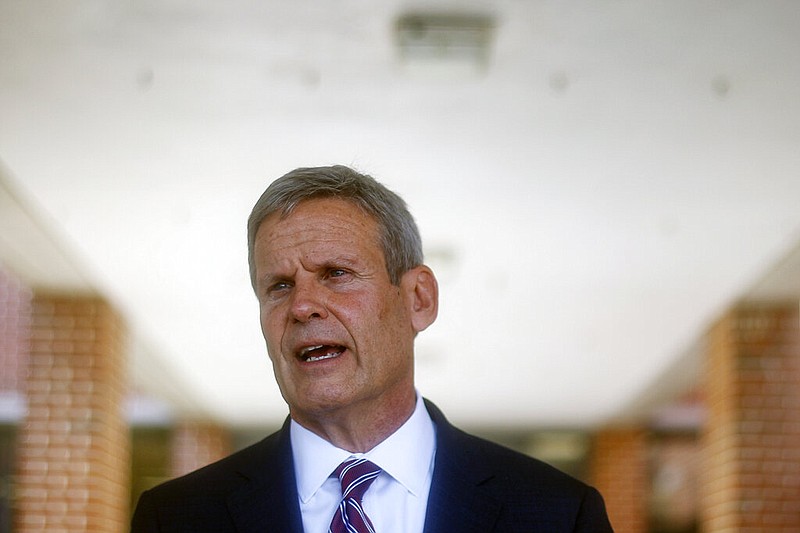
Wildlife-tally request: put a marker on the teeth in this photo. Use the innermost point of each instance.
(332, 351)
(304, 351)
(329, 356)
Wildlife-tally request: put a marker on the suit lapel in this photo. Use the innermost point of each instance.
(268, 500)
(456, 501)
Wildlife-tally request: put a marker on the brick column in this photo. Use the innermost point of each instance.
(751, 442)
(74, 447)
(618, 468)
(197, 444)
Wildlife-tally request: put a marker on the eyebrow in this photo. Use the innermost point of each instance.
(340, 261)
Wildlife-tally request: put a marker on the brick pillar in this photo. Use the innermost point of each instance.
(73, 455)
(197, 444)
(618, 468)
(751, 442)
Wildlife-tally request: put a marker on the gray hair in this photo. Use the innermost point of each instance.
(398, 233)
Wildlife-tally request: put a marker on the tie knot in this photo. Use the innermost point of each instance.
(356, 475)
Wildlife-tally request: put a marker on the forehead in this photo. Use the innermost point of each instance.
(318, 221)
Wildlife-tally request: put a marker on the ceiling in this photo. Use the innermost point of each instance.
(593, 190)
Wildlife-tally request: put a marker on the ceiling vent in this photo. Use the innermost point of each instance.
(448, 43)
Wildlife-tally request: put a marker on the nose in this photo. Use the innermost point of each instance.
(308, 301)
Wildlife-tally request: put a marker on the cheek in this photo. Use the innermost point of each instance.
(269, 330)
(263, 320)
(386, 325)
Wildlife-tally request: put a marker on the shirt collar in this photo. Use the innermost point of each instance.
(406, 455)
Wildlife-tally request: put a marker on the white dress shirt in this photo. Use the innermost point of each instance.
(395, 502)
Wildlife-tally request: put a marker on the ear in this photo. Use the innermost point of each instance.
(421, 291)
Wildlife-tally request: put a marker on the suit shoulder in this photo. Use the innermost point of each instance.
(201, 500)
(222, 475)
(529, 494)
(512, 464)
(507, 467)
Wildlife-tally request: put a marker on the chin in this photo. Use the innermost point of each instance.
(324, 402)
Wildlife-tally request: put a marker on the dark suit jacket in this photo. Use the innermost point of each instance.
(477, 487)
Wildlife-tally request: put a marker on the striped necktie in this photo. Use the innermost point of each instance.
(355, 475)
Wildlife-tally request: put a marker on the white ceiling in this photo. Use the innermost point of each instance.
(620, 173)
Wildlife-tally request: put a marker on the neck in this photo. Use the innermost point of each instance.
(359, 428)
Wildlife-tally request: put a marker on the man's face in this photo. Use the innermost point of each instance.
(337, 331)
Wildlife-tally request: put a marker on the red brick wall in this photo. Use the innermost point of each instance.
(196, 444)
(73, 456)
(618, 468)
(751, 442)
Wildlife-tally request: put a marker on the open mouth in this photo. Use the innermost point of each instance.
(320, 352)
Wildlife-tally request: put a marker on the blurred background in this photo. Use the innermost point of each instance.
(609, 193)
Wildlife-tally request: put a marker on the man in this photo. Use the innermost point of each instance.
(336, 264)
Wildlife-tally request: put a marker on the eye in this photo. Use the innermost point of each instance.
(337, 273)
(278, 287)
